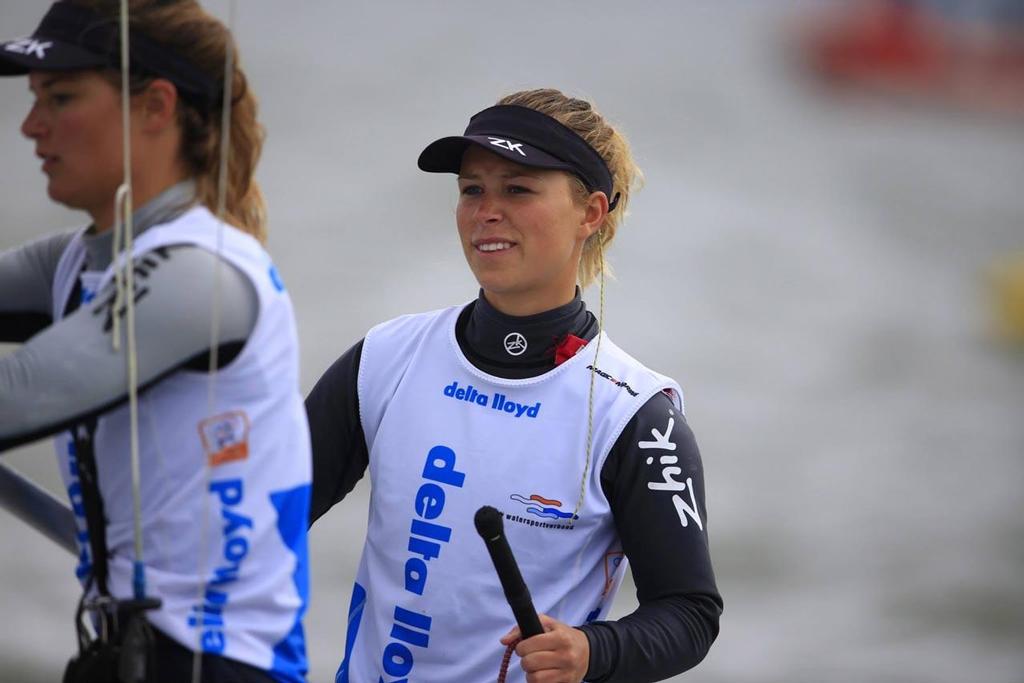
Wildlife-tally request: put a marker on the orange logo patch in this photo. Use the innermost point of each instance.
(225, 437)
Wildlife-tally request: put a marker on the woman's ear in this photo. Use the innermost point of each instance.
(594, 212)
(158, 106)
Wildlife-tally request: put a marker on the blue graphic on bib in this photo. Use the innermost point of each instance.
(275, 277)
(355, 616)
(292, 515)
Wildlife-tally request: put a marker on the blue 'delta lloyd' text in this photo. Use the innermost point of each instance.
(425, 543)
(210, 614)
(499, 402)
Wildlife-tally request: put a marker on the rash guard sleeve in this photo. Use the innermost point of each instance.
(70, 371)
(340, 456)
(657, 500)
(26, 286)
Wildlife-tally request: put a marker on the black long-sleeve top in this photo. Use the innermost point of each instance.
(677, 618)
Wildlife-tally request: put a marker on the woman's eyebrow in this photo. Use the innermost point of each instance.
(49, 81)
(523, 173)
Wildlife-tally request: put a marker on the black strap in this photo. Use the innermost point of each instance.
(124, 651)
(83, 435)
(92, 501)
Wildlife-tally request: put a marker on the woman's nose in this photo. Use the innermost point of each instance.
(33, 126)
(488, 210)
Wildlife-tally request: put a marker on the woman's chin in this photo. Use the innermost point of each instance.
(496, 286)
(67, 197)
(59, 193)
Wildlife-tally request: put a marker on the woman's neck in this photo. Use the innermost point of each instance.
(519, 305)
(160, 209)
(515, 347)
(145, 188)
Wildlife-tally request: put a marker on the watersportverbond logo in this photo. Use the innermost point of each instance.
(499, 402)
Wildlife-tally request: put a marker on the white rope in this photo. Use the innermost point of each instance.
(222, 192)
(120, 200)
(125, 295)
(590, 395)
(215, 322)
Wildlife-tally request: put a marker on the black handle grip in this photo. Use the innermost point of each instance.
(491, 529)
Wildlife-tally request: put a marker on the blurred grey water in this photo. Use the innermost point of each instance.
(810, 269)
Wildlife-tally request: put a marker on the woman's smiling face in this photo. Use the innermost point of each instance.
(522, 230)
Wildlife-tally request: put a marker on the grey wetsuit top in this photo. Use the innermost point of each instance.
(67, 371)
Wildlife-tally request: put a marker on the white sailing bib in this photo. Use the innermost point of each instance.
(444, 439)
(227, 556)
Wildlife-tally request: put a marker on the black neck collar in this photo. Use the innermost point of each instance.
(519, 346)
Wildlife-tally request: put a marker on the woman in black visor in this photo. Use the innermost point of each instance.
(519, 401)
(206, 578)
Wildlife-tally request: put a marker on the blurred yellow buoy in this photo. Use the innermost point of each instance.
(1006, 282)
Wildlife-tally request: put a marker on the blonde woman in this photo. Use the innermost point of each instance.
(517, 400)
(225, 472)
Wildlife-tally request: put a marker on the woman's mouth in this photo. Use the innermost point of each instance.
(488, 247)
(48, 161)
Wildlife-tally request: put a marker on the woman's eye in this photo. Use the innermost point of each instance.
(60, 98)
(517, 189)
(470, 190)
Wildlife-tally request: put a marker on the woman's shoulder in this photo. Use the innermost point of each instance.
(196, 230)
(390, 346)
(625, 370)
(413, 325)
(46, 251)
(198, 225)
(53, 245)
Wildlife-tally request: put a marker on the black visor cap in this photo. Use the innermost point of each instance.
(445, 155)
(524, 136)
(59, 44)
(18, 57)
(71, 37)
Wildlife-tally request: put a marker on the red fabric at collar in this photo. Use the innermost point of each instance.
(567, 348)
